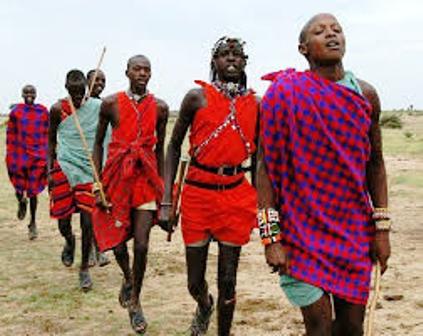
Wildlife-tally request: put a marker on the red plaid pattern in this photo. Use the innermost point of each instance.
(26, 148)
(315, 138)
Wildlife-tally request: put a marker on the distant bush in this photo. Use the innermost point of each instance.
(391, 121)
(408, 134)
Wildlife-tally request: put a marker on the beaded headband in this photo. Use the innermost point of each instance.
(226, 40)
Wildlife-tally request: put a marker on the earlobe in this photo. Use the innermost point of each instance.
(302, 48)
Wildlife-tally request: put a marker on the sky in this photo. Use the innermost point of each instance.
(42, 40)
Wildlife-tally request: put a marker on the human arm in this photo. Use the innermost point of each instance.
(275, 253)
(54, 121)
(376, 176)
(105, 117)
(11, 133)
(192, 101)
(162, 117)
(256, 142)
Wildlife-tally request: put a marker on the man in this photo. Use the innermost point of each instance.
(99, 84)
(70, 172)
(26, 153)
(217, 200)
(323, 178)
(97, 88)
(131, 178)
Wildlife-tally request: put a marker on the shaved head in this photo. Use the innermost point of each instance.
(136, 58)
(29, 87)
(304, 31)
(322, 40)
(29, 93)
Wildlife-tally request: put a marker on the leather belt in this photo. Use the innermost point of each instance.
(210, 186)
(222, 170)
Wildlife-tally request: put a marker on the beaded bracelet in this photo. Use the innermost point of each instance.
(383, 225)
(268, 223)
(380, 214)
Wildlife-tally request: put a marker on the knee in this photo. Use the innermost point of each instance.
(140, 248)
(197, 288)
(65, 227)
(226, 286)
(120, 251)
(353, 328)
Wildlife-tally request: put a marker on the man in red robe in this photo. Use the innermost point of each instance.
(131, 178)
(26, 153)
(217, 200)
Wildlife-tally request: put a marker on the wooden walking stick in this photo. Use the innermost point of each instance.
(97, 69)
(81, 132)
(372, 306)
(175, 203)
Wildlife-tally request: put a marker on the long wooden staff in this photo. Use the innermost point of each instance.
(82, 135)
(100, 61)
(175, 204)
(372, 307)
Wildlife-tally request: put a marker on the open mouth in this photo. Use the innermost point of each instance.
(333, 45)
(231, 68)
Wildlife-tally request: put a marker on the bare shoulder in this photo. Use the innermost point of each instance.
(162, 109)
(56, 109)
(369, 91)
(161, 104)
(194, 94)
(109, 101)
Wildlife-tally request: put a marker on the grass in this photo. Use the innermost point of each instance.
(38, 296)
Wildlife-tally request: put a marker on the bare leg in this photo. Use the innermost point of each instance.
(33, 202)
(349, 318)
(22, 204)
(227, 270)
(86, 237)
(196, 258)
(122, 258)
(68, 252)
(85, 282)
(318, 317)
(143, 221)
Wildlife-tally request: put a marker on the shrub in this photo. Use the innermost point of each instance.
(391, 121)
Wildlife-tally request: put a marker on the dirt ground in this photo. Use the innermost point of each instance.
(39, 296)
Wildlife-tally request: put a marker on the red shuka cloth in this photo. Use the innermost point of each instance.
(130, 177)
(227, 215)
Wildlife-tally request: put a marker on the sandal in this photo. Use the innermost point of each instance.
(201, 320)
(137, 319)
(68, 252)
(125, 294)
(22, 205)
(85, 282)
(102, 259)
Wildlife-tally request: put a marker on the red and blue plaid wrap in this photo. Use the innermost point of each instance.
(316, 146)
(26, 148)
